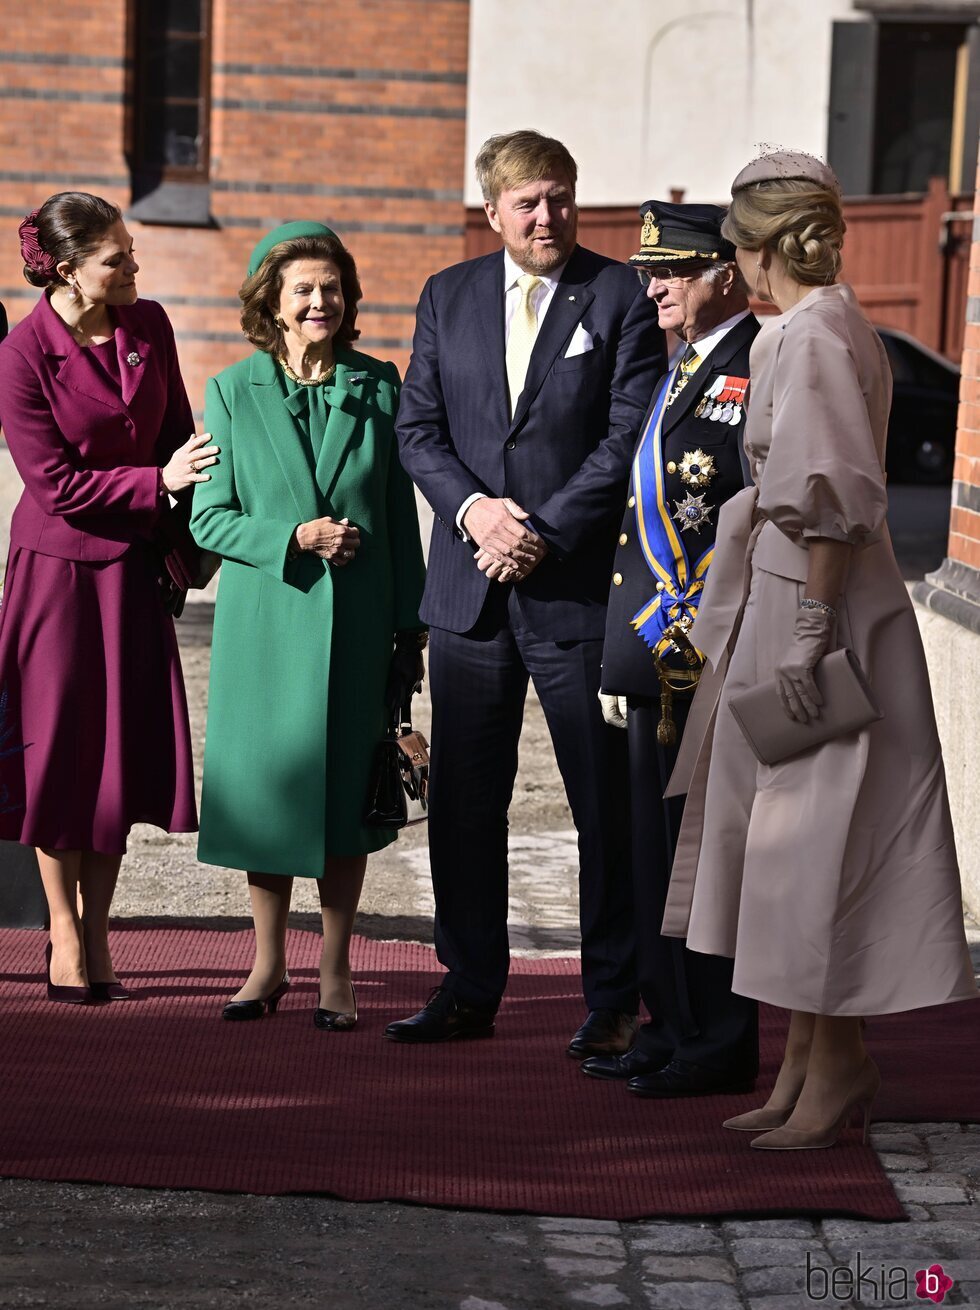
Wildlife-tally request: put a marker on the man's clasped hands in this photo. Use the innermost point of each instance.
(508, 549)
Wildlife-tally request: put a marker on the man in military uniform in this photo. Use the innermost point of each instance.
(700, 1038)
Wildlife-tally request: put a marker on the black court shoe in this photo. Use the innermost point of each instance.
(57, 992)
(109, 991)
(241, 1010)
(336, 1021)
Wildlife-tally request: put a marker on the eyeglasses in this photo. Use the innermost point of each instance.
(670, 277)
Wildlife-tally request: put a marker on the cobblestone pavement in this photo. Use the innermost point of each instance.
(74, 1247)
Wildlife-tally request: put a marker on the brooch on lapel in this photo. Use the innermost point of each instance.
(355, 378)
(722, 402)
(692, 512)
(132, 359)
(696, 468)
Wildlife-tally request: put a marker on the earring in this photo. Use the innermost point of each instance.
(279, 323)
(72, 291)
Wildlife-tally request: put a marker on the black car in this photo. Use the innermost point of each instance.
(922, 423)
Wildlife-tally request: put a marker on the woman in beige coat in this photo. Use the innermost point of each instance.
(831, 877)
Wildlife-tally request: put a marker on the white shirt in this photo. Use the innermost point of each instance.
(705, 345)
(541, 298)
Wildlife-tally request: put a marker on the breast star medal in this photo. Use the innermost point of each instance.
(696, 468)
(692, 512)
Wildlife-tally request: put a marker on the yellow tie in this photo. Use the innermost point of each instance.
(520, 343)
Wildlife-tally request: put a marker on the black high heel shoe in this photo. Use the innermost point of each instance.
(336, 1021)
(109, 991)
(240, 1010)
(67, 995)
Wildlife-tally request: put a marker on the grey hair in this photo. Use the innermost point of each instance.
(713, 273)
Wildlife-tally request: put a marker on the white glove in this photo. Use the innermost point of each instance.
(613, 709)
(794, 671)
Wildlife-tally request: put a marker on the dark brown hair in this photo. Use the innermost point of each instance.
(70, 226)
(260, 293)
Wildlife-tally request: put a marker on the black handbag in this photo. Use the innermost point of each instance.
(398, 789)
(181, 564)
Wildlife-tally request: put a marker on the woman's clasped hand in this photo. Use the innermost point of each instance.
(335, 540)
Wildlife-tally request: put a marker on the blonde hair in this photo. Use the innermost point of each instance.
(516, 158)
(800, 220)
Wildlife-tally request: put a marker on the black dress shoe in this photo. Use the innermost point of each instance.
(620, 1067)
(680, 1078)
(605, 1032)
(442, 1018)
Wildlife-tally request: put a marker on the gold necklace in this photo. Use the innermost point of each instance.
(324, 377)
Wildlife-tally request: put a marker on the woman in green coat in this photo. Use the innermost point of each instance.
(316, 627)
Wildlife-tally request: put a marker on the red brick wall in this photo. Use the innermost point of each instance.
(351, 113)
(964, 522)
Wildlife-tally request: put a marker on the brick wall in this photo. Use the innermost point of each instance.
(350, 113)
(954, 589)
(964, 523)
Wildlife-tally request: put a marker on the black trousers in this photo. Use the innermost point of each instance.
(694, 1015)
(479, 683)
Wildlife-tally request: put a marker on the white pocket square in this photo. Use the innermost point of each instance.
(580, 343)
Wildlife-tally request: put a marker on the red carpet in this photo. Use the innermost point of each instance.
(160, 1093)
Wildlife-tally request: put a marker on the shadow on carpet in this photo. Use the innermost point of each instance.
(158, 1092)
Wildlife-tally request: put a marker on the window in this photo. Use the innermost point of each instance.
(904, 101)
(170, 102)
(914, 104)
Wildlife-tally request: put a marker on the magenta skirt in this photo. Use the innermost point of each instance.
(94, 734)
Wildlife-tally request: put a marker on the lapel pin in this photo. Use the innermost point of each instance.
(356, 377)
(571, 298)
(133, 359)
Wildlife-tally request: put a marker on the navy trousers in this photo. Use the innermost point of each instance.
(694, 1014)
(479, 683)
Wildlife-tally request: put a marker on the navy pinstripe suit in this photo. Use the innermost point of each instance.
(565, 458)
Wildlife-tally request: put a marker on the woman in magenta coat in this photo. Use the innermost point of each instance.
(94, 734)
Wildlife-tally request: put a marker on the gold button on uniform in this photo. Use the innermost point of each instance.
(671, 466)
(617, 579)
(623, 538)
(631, 502)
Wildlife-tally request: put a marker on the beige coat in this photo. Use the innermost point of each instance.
(831, 877)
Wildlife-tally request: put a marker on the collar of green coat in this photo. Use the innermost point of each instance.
(314, 494)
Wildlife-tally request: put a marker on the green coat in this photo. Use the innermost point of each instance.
(300, 651)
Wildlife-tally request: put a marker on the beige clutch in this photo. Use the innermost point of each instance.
(848, 705)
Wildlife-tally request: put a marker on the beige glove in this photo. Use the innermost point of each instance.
(613, 709)
(798, 692)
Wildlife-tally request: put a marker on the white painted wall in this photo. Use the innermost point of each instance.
(652, 94)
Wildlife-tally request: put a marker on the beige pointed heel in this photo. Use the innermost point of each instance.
(762, 1120)
(859, 1100)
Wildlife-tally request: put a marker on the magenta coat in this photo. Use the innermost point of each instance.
(92, 707)
(90, 459)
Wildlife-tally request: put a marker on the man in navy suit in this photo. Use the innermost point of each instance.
(530, 375)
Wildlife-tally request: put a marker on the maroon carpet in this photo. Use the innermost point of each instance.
(160, 1093)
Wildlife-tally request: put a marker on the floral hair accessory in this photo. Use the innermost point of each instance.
(32, 252)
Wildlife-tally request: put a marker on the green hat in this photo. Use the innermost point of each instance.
(286, 232)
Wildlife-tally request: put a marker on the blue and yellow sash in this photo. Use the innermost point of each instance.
(661, 542)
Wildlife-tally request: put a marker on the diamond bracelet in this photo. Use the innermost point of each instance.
(808, 604)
